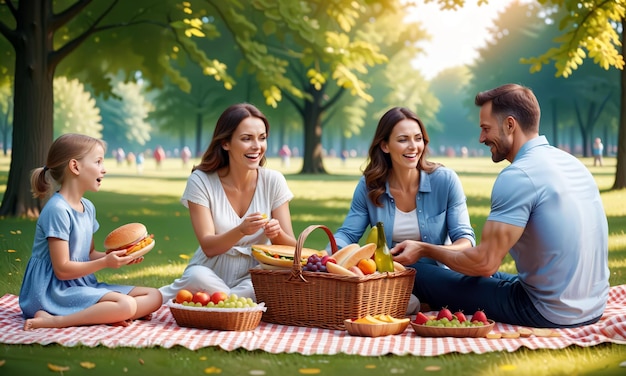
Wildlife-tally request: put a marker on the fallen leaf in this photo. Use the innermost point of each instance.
(141, 361)
(309, 371)
(2, 362)
(88, 365)
(184, 257)
(56, 368)
(203, 357)
(370, 366)
(11, 250)
(508, 367)
(257, 372)
(432, 368)
(212, 370)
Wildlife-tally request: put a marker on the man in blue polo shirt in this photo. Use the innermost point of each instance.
(546, 211)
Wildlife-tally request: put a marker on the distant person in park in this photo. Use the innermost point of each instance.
(597, 149)
(159, 156)
(139, 163)
(185, 155)
(234, 202)
(120, 156)
(130, 158)
(285, 155)
(59, 288)
(546, 211)
(415, 198)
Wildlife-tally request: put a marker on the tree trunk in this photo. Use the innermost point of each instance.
(620, 171)
(313, 158)
(33, 107)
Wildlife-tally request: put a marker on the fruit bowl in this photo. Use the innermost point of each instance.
(233, 319)
(440, 331)
(375, 330)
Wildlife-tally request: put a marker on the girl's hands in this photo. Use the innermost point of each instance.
(116, 259)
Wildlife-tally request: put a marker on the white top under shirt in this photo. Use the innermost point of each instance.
(405, 227)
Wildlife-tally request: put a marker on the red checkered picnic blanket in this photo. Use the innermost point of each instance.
(163, 331)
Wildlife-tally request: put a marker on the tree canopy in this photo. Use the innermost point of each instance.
(311, 53)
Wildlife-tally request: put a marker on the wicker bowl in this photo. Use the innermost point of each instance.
(438, 331)
(234, 319)
(375, 330)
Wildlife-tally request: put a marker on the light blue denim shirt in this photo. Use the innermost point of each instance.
(441, 211)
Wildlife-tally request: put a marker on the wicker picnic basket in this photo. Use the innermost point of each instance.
(324, 300)
(216, 319)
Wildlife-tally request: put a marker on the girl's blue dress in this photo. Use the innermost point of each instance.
(41, 289)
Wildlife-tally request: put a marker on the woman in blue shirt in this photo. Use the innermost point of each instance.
(414, 198)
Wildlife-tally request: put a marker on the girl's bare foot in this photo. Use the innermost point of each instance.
(122, 323)
(147, 317)
(42, 319)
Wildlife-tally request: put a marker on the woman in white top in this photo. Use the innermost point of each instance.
(234, 202)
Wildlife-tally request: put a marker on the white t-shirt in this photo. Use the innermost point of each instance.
(206, 190)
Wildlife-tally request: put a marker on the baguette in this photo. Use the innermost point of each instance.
(338, 269)
(353, 254)
(344, 252)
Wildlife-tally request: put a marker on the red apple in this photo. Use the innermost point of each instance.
(201, 297)
(218, 296)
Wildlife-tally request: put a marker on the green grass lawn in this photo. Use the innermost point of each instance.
(153, 198)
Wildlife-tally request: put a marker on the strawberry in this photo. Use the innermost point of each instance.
(480, 316)
(421, 318)
(444, 313)
(460, 316)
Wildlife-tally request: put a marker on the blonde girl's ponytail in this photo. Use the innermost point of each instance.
(44, 180)
(40, 186)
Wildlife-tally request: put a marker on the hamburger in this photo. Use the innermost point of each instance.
(132, 237)
(281, 256)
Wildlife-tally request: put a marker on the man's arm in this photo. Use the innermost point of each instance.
(482, 260)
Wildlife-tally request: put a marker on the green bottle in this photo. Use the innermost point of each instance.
(382, 256)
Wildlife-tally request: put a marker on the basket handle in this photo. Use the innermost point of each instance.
(296, 270)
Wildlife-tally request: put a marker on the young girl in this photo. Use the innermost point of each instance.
(59, 287)
(233, 203)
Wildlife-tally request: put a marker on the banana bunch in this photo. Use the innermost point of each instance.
(379, 319)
